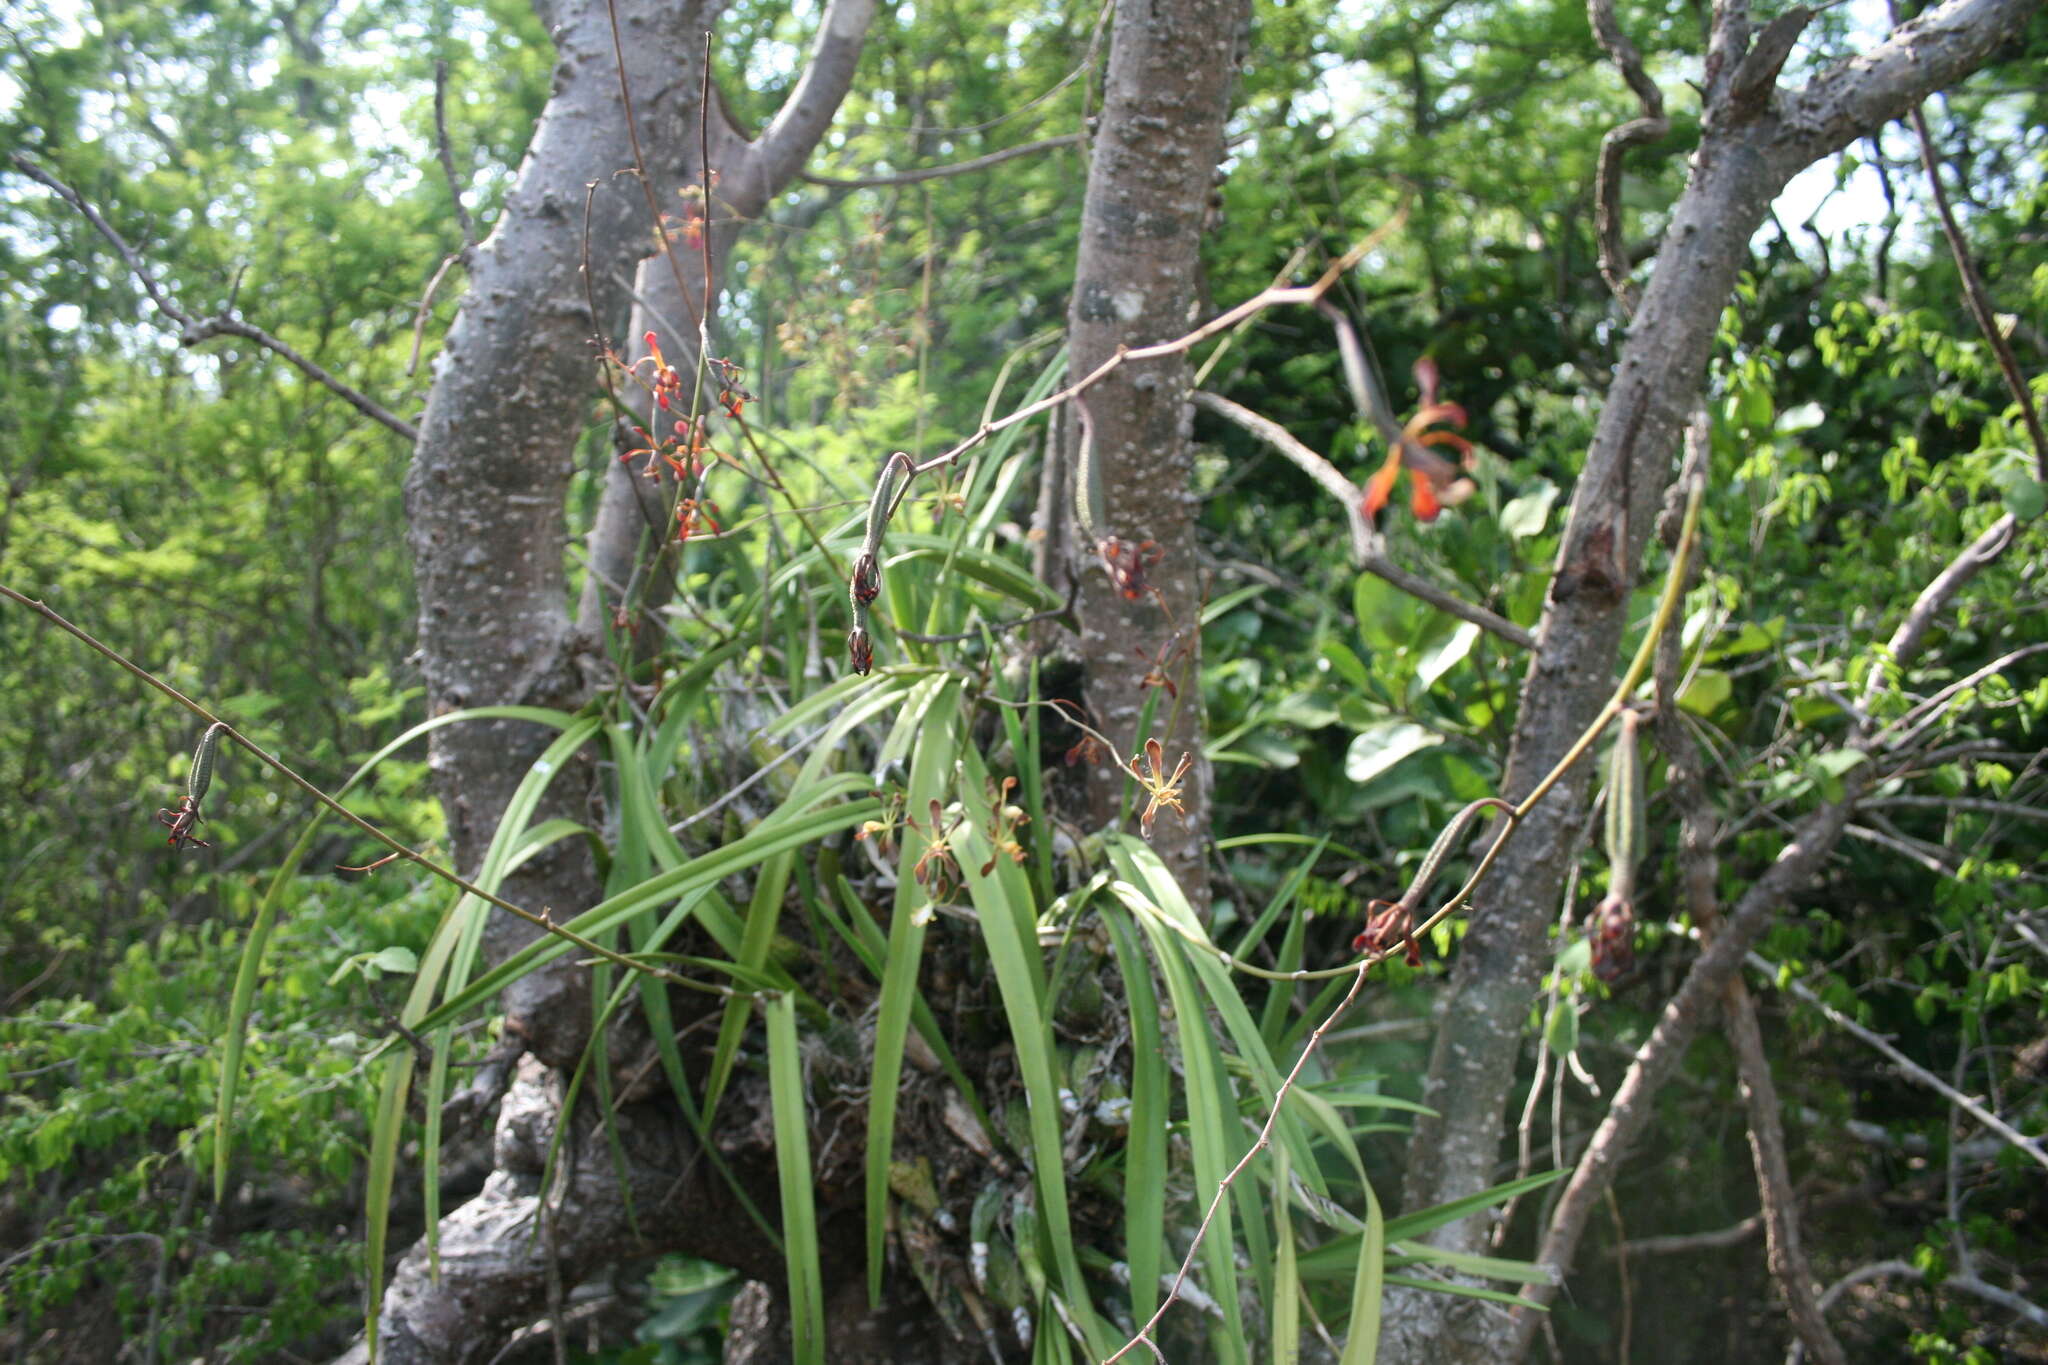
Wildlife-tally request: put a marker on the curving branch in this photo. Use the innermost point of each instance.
(1364, 544)
(1650, 125)
(193, 329)
(445, 151)
(779, 153)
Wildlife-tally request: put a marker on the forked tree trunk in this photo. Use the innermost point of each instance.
(1171, 65)
(513, 391)
(1754, 139)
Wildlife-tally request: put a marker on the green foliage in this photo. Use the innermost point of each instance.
(239, 529)
(107, 1128)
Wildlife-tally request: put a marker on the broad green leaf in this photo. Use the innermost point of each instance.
(1708, 692)
(1527, 514)
(1442, 658)
(1373, 751)
(397, 959)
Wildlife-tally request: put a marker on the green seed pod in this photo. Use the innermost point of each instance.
(866, 583)
(1626, 816)
(202, 761)
(1089, 501)
(1447, 841)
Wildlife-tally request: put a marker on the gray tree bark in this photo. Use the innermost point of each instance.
(1171, 64)
(1754, 139)
(513, 390)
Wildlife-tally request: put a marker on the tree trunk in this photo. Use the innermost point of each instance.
(484, 497)
(1167, 91)
(1754, 140)
(511, 396)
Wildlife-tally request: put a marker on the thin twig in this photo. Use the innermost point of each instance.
(447, 155)
(1266, 298)
(979, 163)
(1065, 611)
(193, 329)
(2035, 1148)
(543, 921)
(419, 320)
(1975, 804)
(1979, 298)
(1628, 1298)
(1925, 713)
(1683, 1243)
(1265, 1138)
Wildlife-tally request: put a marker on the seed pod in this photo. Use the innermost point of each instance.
(202, 761)
(1626, 817)
(866, 583)
(1088, 496)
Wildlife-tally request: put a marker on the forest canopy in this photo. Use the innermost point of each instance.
(1203, 680)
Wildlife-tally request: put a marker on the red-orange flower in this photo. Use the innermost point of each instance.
(1434, 482)
(667, 384)
(693, 516)
(1390, 925)
(1127, 562)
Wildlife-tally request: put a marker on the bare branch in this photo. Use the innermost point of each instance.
(2011, 810)
(803, 118)
(1273, 297)
(1905, 1270)
(1364, 545)
(1865, 92)
(1327, 476)
(191, 329)
(1912, 631)
(980, 163)
(2034, 1147)
(1774, 1176)
(1637, 132)
(1683, 1243)
(1925, 713)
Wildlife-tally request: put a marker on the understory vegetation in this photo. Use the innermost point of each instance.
(901, 959)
